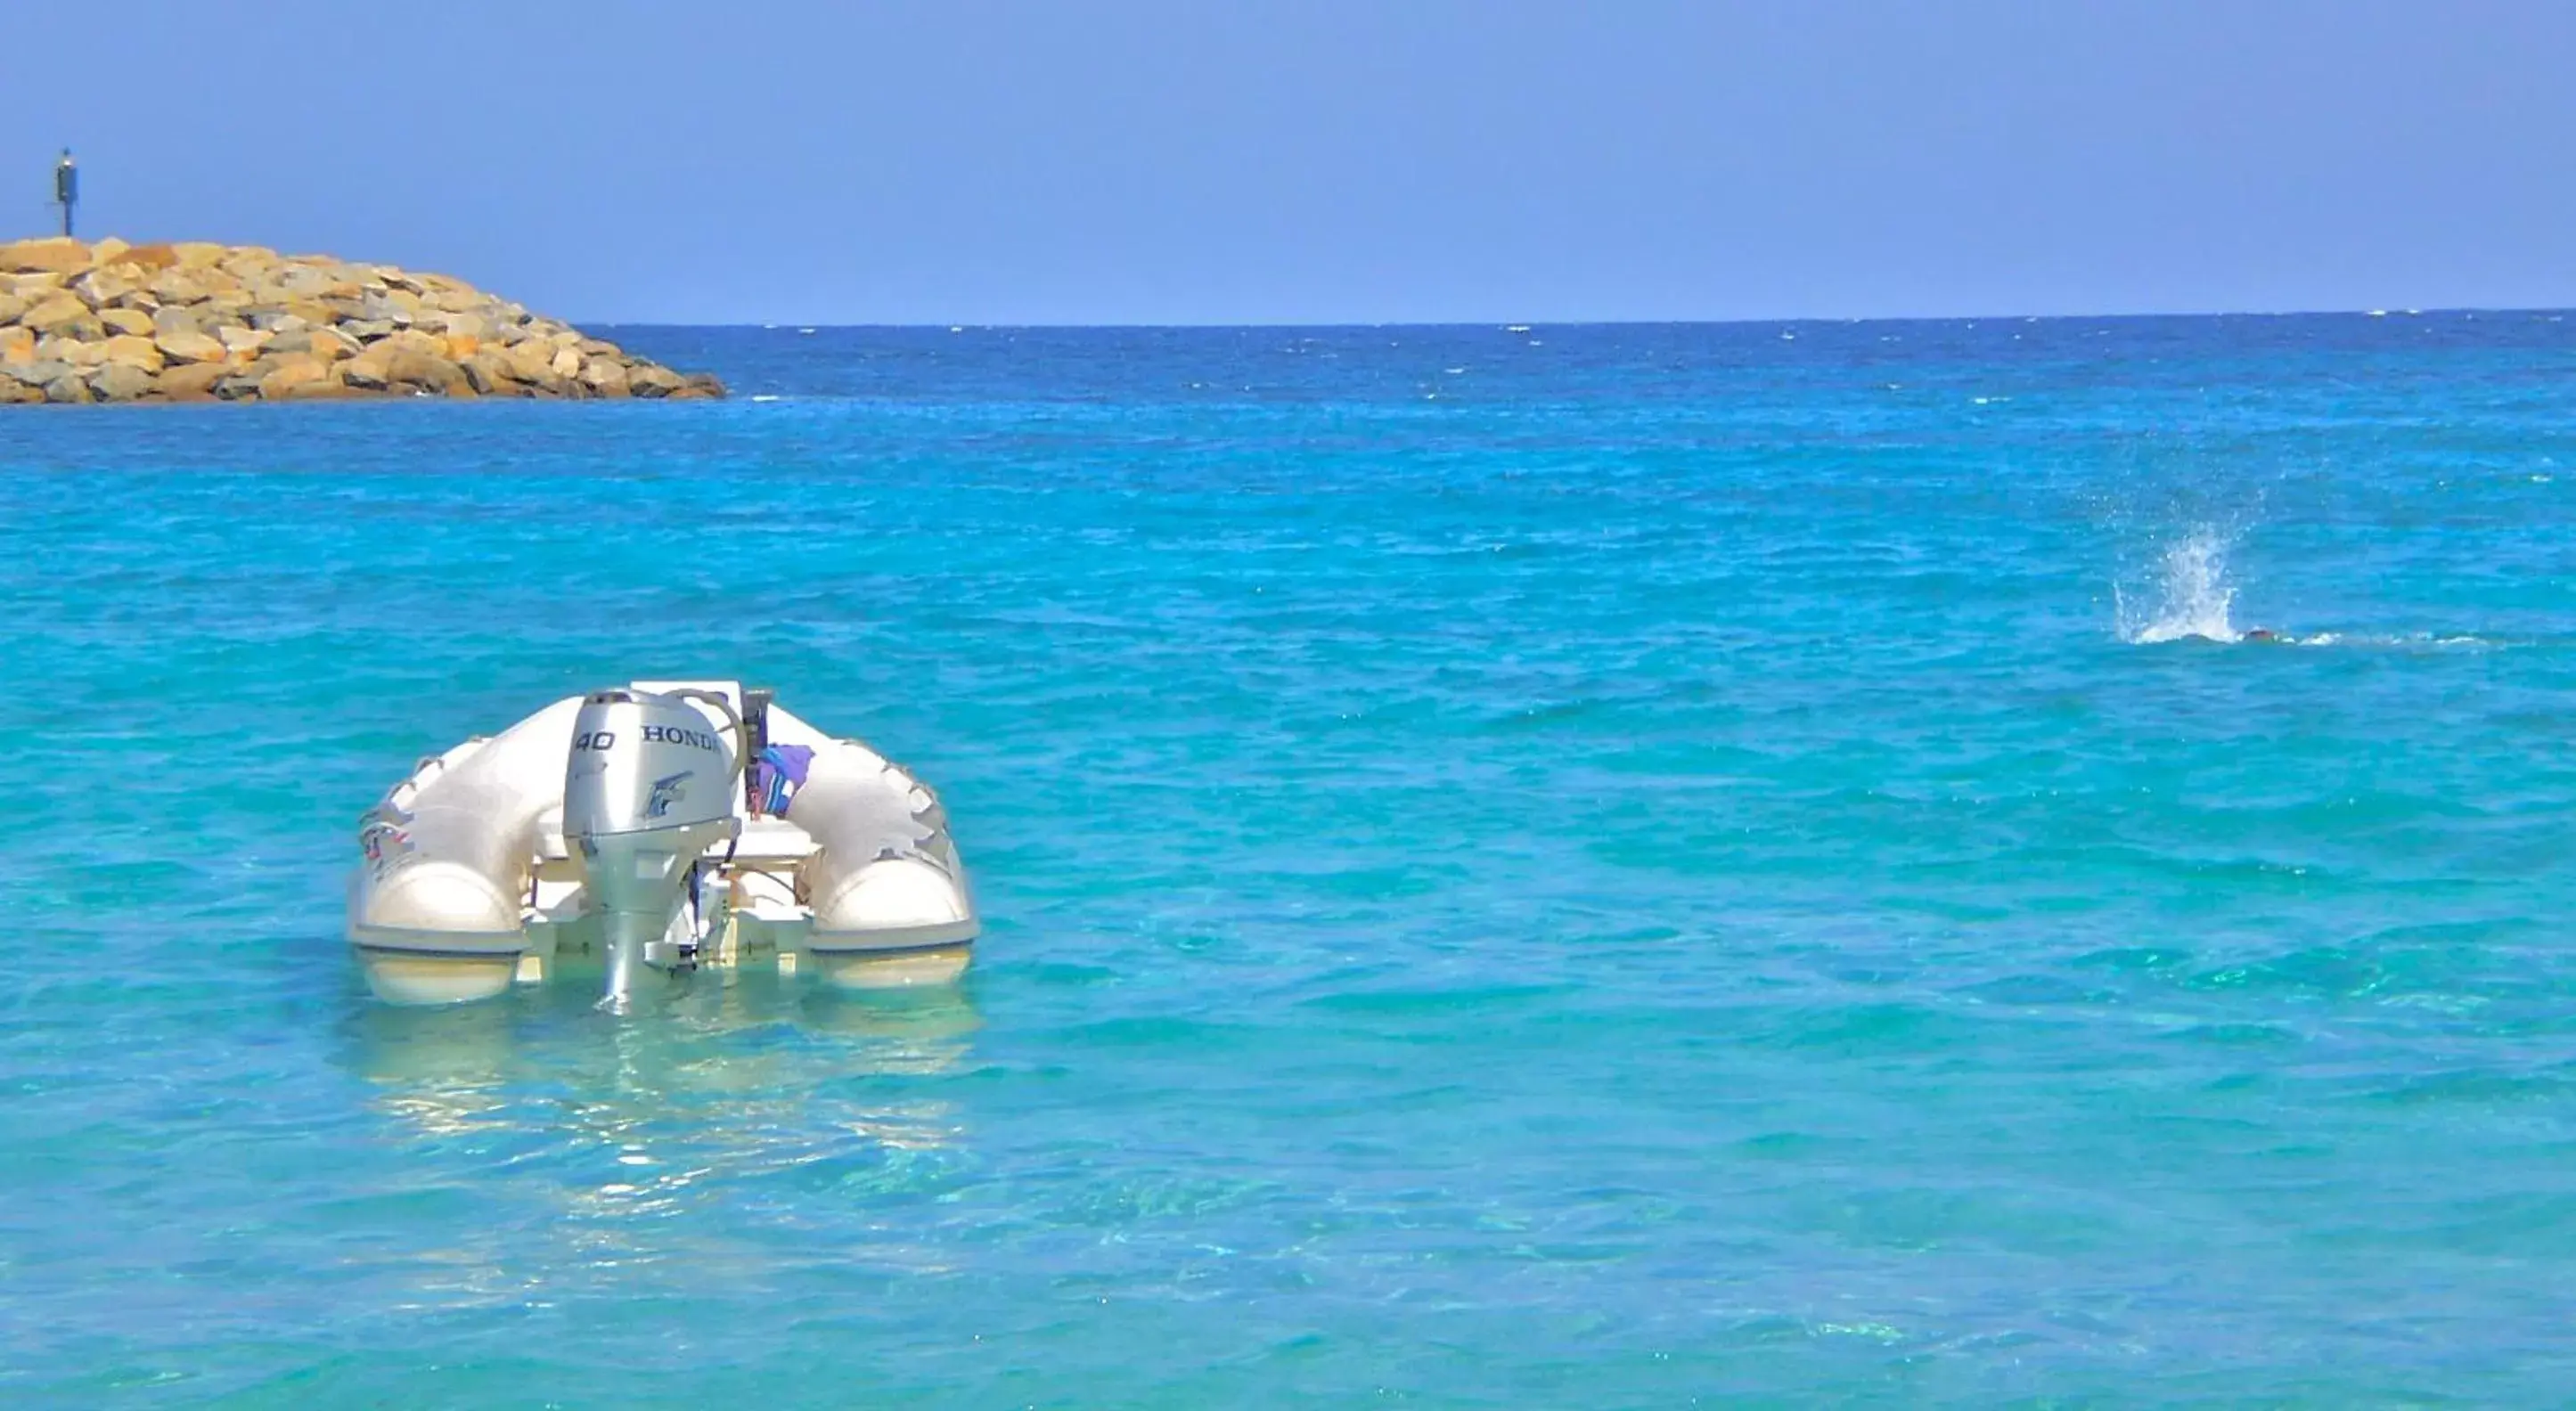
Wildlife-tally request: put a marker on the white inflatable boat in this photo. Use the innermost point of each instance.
(662, 826)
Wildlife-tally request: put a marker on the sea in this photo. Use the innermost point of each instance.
(1885, 863)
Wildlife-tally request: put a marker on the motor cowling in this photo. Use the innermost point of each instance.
(649, 786)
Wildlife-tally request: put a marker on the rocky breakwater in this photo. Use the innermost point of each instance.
(114, 322)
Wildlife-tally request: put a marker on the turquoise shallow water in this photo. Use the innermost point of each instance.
(1577, 867)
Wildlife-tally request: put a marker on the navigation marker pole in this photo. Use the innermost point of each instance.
(66, 189)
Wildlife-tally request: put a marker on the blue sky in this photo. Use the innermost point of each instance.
(956, 161)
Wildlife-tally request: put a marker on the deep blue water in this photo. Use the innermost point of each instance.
(1587, 866)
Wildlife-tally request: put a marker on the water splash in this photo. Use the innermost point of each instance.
(2190, 598)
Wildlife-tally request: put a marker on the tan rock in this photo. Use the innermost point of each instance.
(241, 344)
(57, 311)
(327, 385)
(653, 380)
(107, 252)
(606, 376)
(531, 361)
(15, 391)
(332, 344)
(291, 372)
(79, 352)
(12, 305)
(174, 317)
(567, 362)
(179, 285)
(487, 373)
(307, 282)
(150, 259)
(246, 262)
(200, 254)
(133, 321)
(370, 369)
(422, 370)
(241, 380)
(120, 382)
(17, 347)
(460, 347)
(413, 340)
(101, 288)
(53, 256)
(193, 382)
(133, 351)
(68, 388)
(188, 346)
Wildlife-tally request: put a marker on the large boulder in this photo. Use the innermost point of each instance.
(59, 311)
(412, 340)
(131, 351)
(193, 382)
(530, 361)
(371, 370)
(68, 388)
(291, 372)
(188, 346)
(133, 321)
(120, 382)
(248, 262)
(488, 373)
(150, 259)
(176, 286)
(326, 386)
(241, 380)
(81, 353)
(606, 377)
(425, 371)
(102, 288)
(54, 256)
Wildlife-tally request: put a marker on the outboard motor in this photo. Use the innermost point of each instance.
(649, 787)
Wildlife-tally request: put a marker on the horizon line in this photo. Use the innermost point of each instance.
(955, 326)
